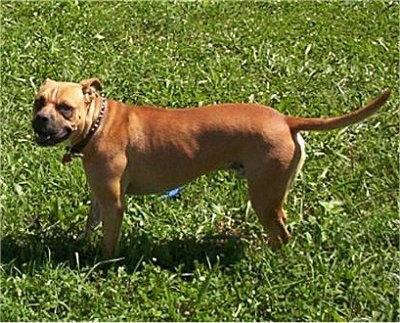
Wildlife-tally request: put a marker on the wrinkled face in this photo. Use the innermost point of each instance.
(59, 111)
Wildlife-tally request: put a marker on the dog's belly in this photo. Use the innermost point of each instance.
(161, 177)
(160, 171)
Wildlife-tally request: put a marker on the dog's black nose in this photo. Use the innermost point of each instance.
(40, 121)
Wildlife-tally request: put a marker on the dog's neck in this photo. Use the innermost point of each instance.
(94, 116)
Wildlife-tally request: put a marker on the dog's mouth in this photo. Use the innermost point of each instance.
(49, 138)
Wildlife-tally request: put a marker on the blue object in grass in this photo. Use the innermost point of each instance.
(173, 194)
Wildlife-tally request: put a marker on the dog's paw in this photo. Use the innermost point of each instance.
(276, 239)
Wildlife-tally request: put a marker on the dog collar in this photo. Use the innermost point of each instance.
(75, 150)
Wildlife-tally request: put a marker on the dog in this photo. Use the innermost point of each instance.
(143, 150)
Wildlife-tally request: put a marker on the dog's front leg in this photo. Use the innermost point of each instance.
(109, 196)
(111, 215)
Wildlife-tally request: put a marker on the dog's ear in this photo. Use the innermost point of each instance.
(90, 89)
(90, 85)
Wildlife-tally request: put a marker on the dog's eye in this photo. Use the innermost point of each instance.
(39, 103)
(65, 109)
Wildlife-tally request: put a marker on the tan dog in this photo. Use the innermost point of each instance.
(142, 150)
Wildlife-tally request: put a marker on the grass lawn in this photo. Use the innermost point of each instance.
(200, 257)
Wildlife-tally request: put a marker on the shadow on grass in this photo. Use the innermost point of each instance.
(30, 251)
(183, 254)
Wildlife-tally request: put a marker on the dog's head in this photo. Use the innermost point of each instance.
(61, 108)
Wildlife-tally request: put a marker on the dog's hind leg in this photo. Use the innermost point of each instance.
(267, 195)
(268, 184)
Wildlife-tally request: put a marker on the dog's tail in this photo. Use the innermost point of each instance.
(320, 124)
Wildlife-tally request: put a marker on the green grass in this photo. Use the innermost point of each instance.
(201, 258)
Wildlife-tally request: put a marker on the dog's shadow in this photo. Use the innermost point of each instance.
(136, 249)
(183, 254)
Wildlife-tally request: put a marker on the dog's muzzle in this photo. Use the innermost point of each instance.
(47, 133)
